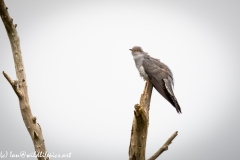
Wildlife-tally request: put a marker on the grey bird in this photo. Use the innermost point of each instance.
(157, 73)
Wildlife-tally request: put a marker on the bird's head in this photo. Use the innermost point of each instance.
(136, 50)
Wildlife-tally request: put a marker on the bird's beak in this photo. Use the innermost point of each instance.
(130, 49)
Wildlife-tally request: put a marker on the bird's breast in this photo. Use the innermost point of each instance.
(142, 72)
(139, 65)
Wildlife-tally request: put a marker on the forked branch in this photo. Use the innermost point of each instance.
(20, 85)
(140, 128)
(14, 85)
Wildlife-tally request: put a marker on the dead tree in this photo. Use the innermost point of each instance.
(20, 85)
(140, 128)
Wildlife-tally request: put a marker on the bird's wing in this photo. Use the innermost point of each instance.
(164, 68)
(160, 80)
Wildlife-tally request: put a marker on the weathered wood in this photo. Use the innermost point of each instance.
(140, 125)
(20, 85)
(139, 132)
(164, 147)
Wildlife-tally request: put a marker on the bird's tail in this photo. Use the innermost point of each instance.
(177, 106)
(172, 99)
(170, 96)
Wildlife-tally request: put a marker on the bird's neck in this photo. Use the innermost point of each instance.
(138, 58)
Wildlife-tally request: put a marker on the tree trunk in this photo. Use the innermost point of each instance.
(140, 125)
(140, 128)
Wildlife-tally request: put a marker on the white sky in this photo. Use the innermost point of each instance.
(83, 83)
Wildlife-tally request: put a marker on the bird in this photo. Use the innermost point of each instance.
(156, 72)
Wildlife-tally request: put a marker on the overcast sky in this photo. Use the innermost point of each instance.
(83, 83)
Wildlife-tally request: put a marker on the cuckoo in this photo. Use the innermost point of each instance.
(156, 72)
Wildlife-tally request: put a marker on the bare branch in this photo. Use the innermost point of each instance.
(20, 85)
(140, 125)
(164, 147)
(14, 85)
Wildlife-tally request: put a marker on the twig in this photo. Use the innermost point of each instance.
(164, 147)
(14, 85)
